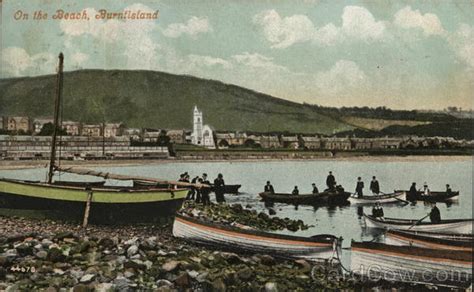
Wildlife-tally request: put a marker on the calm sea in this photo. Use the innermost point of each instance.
(343, 221)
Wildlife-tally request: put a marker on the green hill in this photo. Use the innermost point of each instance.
(161, 100)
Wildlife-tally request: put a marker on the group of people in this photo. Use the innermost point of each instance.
(201, 195)
(374, 187)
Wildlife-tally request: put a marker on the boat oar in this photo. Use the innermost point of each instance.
(417, 222)
(398, 199)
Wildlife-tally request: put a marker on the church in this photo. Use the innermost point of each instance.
(202, 135)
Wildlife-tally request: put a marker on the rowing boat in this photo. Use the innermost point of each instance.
(456, 226)
(430, 239)
(324, 198)
(382, 199)
(228, 189)
(109, 204)
(375, 261)
(313, 248)
(432, 197)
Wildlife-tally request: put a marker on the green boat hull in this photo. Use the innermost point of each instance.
(109, 205)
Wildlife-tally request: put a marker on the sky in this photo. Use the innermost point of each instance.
(399, 54)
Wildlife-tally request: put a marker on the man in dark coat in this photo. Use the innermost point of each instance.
(295, 191)
(377, 211)
(192, 191)
(205, 191)
(219, 186)
(359, 187)
(412, 193)
(330, 181)
(269, 188)
(435, 215)
(374, 186)
(449, 191)
(315, 189)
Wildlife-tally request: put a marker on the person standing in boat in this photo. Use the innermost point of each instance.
(426, 190)
(315, 189)
(359, 187)
(219, 186)
(435, 215)
(205, 191)
(412, 193)
(330, 181)
(374, 186)
(295, 191)
(269, 188)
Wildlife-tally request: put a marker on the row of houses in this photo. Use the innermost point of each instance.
(76, 147)
(26, 125)
(226, 140)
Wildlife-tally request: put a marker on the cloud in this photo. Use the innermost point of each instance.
(78, 59)
(135, 36)
(408, 18)
(16, 61)
(462, 43)
(259, 61)
(198, 61)
(357, 24)
(344, 77)
(192, 27)
(284, 32)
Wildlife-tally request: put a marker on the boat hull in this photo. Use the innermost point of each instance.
(108, 206)
(228, 189)
(446, 226)
(307, 199)
(411, 264)
(255, 241)
(434, 197)
(382, 199)
(429, 240)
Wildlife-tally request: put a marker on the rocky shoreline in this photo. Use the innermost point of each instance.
(57, 256)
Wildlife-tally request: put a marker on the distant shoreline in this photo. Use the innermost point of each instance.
(29, 164)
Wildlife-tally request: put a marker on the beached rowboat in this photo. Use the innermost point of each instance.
(452, 268)
(432, 197)
(324, 198)
(108, 204)
(457, 226)
(313, 248)
(382, 199)
(430, 239)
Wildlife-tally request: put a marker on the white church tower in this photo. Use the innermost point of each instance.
(196, 137)
(202, 134)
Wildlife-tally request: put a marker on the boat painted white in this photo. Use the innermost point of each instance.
(382, 199)
(411, 268)
(429, 240)
(463, 226)
(255, 242)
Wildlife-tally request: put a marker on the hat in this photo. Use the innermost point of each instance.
(268, 181)
(313, 184)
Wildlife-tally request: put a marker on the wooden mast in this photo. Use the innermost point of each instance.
(57, 103)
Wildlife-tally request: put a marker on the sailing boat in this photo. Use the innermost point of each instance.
(107, 204)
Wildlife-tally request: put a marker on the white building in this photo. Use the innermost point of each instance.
(202, 134)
